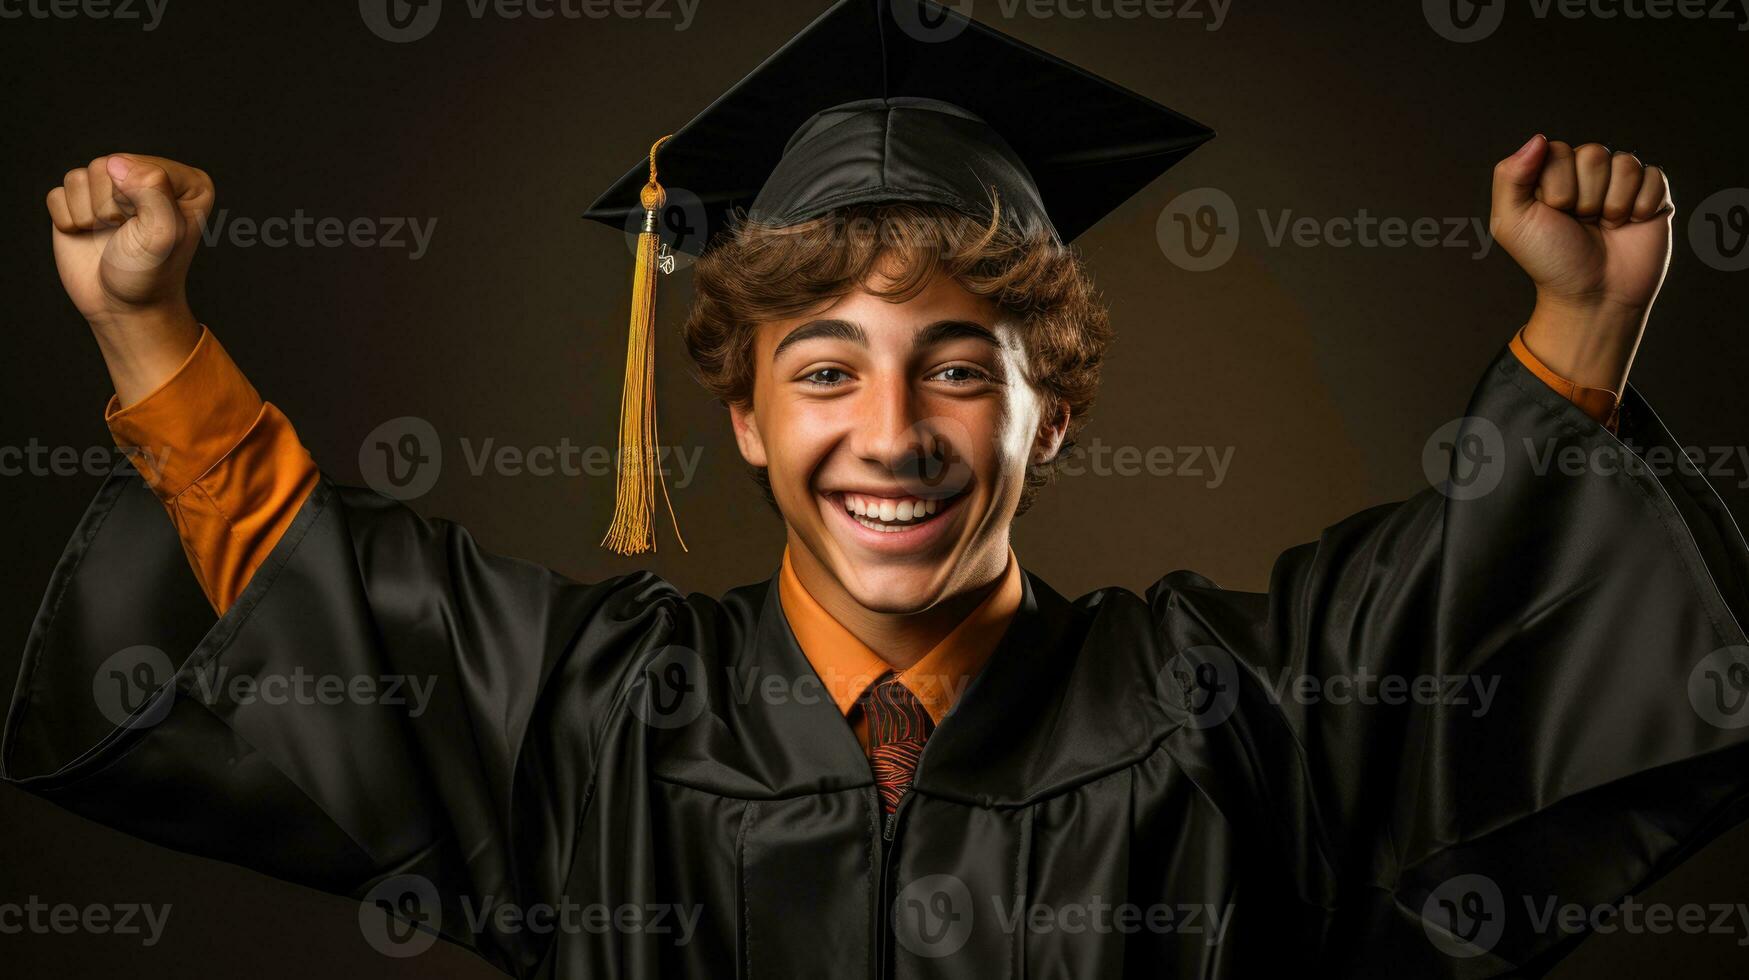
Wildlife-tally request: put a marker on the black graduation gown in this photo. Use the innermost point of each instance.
(1121, 792)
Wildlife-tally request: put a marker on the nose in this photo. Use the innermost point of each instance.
(893, 433)
(887, 433)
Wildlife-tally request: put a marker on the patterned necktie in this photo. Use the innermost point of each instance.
(897, 728)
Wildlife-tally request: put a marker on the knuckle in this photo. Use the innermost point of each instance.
(73, 176)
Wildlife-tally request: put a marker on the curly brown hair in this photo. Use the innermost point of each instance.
(758, 273)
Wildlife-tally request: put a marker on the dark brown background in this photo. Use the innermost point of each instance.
(1325, 368)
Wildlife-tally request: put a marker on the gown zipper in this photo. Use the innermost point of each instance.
(889, 844)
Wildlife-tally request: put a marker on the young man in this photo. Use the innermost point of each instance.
(903, 755)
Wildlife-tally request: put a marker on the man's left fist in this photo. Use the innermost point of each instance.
(1591, 227)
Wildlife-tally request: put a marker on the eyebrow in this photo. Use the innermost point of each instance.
(815, 329)
(937, 332)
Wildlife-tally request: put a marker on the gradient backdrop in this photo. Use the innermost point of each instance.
(1319, 369)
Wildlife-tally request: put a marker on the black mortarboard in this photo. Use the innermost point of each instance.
(877, 101)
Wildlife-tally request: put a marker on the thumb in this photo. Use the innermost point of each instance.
(143, 192)
(1515, 178)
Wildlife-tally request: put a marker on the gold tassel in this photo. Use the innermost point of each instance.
(633, 529)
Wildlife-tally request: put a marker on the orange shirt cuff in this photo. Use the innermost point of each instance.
(1601, 404)
(189, 423)
(228, 467)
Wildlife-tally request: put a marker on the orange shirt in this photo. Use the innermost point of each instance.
(232, 475)
(847, 666)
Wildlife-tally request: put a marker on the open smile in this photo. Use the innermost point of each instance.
(893, 521)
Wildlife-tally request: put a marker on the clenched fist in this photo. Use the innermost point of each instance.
(126, 228)
(1593, 230)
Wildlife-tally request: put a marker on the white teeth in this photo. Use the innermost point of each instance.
(889, 514)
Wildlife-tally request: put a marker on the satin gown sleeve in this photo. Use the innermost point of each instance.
(382, 698)
(1520, 690)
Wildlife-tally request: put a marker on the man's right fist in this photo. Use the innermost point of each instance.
(126, 229)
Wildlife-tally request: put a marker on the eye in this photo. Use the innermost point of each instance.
(825, 377)
(961, 374)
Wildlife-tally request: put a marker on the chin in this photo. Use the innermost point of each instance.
(893, 592)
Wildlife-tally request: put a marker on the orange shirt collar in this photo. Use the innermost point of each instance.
(847, 666)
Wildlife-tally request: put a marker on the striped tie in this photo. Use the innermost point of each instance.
(897, 728)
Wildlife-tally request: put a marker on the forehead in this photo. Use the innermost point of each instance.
(885, 320)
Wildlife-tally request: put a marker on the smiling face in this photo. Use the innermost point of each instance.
(896, 437)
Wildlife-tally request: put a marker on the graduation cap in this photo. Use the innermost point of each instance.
(876, 101)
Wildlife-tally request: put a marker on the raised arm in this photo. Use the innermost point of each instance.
(227, 466)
